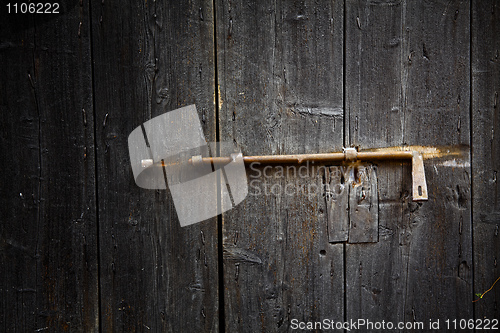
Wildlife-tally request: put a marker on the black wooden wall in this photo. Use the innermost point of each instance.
(84, 249)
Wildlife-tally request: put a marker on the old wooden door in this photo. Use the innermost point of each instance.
(83, 248)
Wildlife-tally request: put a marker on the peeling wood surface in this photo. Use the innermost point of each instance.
(149, 59)
(486, 154)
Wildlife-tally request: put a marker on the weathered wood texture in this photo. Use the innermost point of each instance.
(376, 273)
(363, 205)
(408, 84)
(437, 113)
(48, 227)
(151, 58)
(83, 248)
(280, 72)
(486, 154)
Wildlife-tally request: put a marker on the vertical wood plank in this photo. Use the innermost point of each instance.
(376, 273)
(486, 154)
(150, 58)
(437, 113)
(280, 73)
(410, 85)
(20, 190)
(49, 231)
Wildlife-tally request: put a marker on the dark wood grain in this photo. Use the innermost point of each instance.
(437, 113)
(83, 248)
(20, 190)
(376, 273)
(49, 231)
(486, 154)
(409, 85)
(280, 73)
(151, 58)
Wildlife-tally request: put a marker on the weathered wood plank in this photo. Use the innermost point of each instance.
(49, 231)
(376, 272)
(20, 190)
(409, 85)
(280, 73)
(486, 154)
(437, 113)
(151, 58)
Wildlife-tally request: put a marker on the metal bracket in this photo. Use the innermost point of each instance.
(419, 187)
(350, 154)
